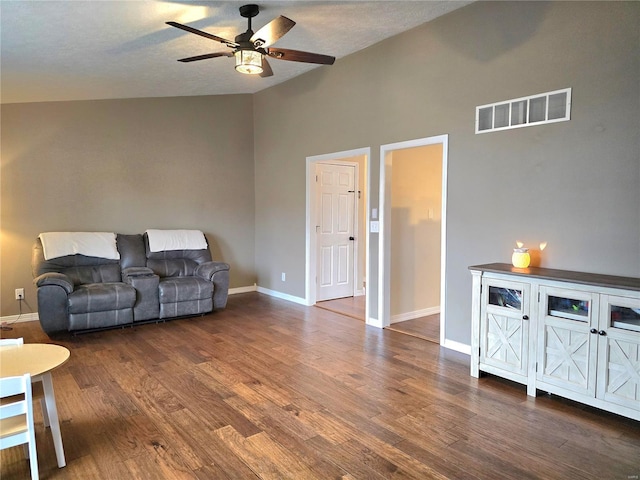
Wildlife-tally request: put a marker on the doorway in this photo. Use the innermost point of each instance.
(337, 269)
(413, 192)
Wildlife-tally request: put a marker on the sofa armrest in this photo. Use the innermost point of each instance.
(218, 274)
(145, 282)
(208, 269)
(136, 272)
(53, 278)
(53, 293)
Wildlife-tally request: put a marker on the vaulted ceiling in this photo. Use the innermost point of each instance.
(80, 50)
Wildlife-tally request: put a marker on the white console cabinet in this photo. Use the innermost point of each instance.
(572, 334)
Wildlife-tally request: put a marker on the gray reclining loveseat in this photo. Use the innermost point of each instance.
(79, 292)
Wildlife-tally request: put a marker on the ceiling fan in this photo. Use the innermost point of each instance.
(252, 49)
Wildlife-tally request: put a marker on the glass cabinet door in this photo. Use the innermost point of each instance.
(504, 326)
(567, 346)
(619, 350)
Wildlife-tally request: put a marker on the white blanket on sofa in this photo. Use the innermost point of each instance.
(162, 240)
(91, 244)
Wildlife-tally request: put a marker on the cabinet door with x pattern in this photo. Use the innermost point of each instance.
(504, 325)
(568, 339)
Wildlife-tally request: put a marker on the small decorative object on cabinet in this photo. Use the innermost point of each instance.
(573, 334)
(520, 257)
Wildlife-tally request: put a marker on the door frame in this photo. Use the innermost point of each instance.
(384, 247)
(311, 243)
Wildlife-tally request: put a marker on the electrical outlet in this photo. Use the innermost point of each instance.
(19, 293)
(284, 277)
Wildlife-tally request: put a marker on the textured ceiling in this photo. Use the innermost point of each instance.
(80, 50)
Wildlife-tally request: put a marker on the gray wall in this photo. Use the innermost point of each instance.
(573, 184)
(125, 166)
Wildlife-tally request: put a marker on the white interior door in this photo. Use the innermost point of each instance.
(336, 206)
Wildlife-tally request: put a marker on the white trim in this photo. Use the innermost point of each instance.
(384, 249)
(310, 241)
(283, 296)
(25, 317)
(250, 288)
(425, 312)
(457, 346)
(374, 322)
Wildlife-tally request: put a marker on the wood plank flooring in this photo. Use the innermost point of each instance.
(426, 328)
(270, 389)
(353, 307)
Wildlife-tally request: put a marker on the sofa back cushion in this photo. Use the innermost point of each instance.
(80, 269)
(175, 263)
(81, 275)
(177, 267)
(132, 252)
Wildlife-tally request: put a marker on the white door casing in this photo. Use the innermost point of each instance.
(364, 234)
(336, 204)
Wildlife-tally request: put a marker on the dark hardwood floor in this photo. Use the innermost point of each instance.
(271, 389)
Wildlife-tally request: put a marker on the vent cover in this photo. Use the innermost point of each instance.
(537, 109)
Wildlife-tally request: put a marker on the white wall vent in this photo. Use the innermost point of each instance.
(547, 107)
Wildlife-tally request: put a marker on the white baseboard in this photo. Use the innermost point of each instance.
(457, 346)
(25, 317)
(425, 312)
(251, 288)
(283, 296)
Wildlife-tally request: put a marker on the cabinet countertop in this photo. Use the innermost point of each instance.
(595, 279)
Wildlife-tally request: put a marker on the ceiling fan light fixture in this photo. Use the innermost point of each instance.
(249, 62)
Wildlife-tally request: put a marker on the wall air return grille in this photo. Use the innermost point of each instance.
(547, 107)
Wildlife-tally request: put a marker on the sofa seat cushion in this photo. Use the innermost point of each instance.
(182, 289)
(101, 297)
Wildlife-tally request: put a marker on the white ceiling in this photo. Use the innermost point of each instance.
(100, 49)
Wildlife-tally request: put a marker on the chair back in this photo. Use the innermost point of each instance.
(16, 417)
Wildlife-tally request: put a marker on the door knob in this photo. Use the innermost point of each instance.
(525, 317)
(602, 332)
(593, 330)
(352, 238)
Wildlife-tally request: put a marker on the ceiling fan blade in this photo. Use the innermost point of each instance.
(272, 31)
(266, 68)
(298, 56)
(204, 57)
(189, 29)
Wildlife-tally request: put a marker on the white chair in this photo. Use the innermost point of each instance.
(36, 383)
(16, 418)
